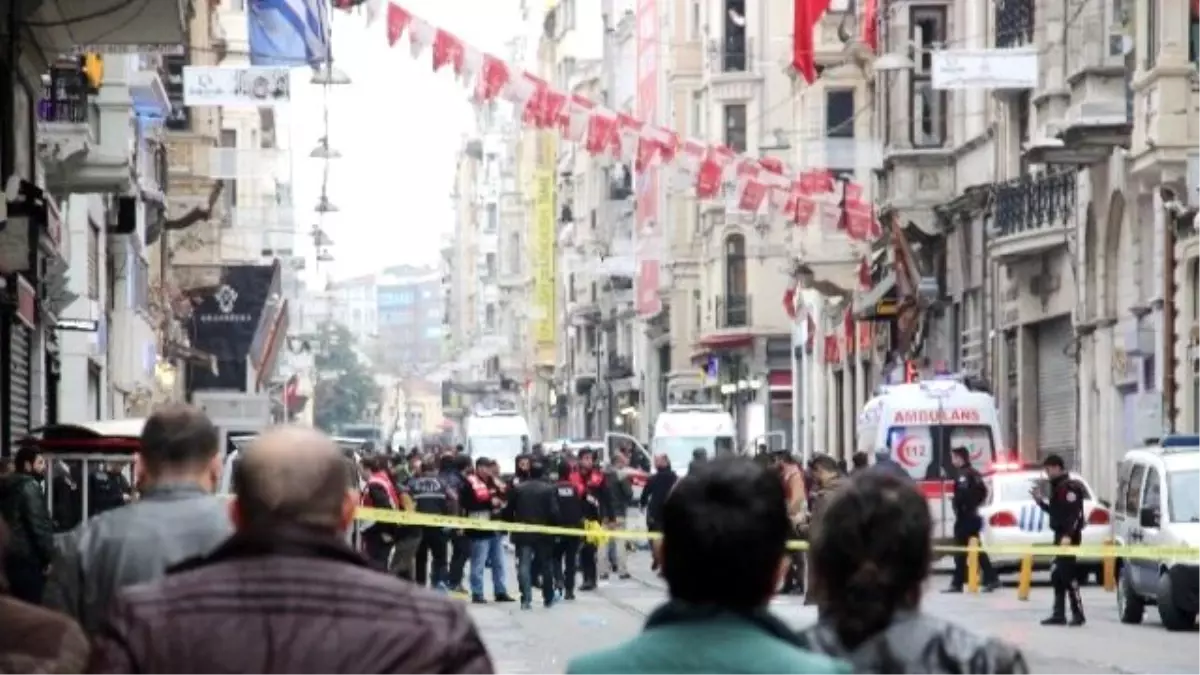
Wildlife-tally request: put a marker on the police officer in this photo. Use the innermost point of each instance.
(534, 502)
(969, 494)
(431, 495)
(570, 514)
(597, 506)
(1065, 508)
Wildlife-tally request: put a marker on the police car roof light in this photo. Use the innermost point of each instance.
(1181, 443)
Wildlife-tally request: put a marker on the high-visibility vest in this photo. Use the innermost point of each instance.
(480, 489)
(388, 487)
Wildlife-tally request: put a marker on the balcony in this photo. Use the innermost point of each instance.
(733, 71)
(61, 26)
(583, 309)
(1167, 101)
(619, 367)
(1032, 215)
(1100, 115)
(69, 129)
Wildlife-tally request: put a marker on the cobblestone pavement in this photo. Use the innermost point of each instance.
(543, 640)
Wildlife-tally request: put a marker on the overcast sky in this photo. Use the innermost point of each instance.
(398, 127)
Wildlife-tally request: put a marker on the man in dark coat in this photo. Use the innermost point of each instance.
(23, 507)
(285, 594)
(35, 639)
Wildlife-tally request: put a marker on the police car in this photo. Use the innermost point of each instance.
(1012, 518)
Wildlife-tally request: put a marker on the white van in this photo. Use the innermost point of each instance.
(1158, 504)
(680, 430)
(499, 435)
(919, 423)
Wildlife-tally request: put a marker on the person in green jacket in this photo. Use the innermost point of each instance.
(725, 528)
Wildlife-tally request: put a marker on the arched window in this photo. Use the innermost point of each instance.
(737, 300)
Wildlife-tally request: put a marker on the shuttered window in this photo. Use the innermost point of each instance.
(19, 384)
(93, 262)
(1056, 391)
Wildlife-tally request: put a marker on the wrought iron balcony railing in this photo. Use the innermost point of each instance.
(1033, 203)
(64, 96)
(1014, 23)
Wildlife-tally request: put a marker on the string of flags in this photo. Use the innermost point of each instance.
(760, 184)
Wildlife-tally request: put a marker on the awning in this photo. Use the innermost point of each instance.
(275, 335)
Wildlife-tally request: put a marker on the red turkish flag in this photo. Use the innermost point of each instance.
(870, 25)
(806, 14)
(493, 77)
(601, 133)
(447, 49)
(398, 20)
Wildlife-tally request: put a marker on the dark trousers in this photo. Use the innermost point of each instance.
(1064, 577)
(534, 556)
(963, 532)
(431, 557)
(376, 549)
(26, 579)
(566, 557)
(460, 554)
(404, 555)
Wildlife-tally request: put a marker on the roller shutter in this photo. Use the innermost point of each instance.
(20, 345)
(1056, 390)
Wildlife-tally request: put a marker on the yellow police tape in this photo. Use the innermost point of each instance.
(594, 533)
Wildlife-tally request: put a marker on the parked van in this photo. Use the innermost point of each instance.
(1158, 504)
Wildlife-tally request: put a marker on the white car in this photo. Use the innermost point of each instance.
(1012, 518)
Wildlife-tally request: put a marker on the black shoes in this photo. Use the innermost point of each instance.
(504, 597)
(1060, 620)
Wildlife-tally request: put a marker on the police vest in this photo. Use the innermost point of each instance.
(429, 493)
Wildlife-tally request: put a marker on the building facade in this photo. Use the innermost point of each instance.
(409, 314)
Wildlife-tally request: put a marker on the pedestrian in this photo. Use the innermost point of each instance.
(859, 461)
(827, 478)
(796, 492)
(570, 514)
(597, 507)
(871, 556)
(619, 480)
(35, 639)
(480, 503)
(725, 528)
(699, 456)
(654, 496)
(379, 492)
(885, 464)
(285, 594)
(970, 493)
(431, 497)
(30, 550)
(452, 468)
(534, 502)
(176, 517)
(1065, 509)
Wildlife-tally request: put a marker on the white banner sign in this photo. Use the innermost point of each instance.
(966, 69)
(237, 86)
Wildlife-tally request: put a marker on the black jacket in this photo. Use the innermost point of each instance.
(533, 502)
(654, 495)
(23, 507)
(570, 504)
(598, 496)
(1065, 507)
(970, 492)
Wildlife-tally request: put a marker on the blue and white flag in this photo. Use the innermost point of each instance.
(288, 32)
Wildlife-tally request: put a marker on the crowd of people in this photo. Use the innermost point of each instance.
(183, 580)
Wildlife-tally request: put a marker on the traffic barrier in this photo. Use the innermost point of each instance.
(1025, 577)
(458, 523)
(1108, 570)
(972, 565)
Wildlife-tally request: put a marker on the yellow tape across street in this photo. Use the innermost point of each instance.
(595, 534)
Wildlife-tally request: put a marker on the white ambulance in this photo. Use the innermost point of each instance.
(918, 423)
(680, 430)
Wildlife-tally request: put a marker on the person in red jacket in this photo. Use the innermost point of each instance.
(379, 492)
(597, 506)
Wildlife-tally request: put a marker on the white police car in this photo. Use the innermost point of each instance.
(1012, 518)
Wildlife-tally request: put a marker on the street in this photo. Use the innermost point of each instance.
(543, 640)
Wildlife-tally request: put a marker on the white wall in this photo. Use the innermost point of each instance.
(78, 350)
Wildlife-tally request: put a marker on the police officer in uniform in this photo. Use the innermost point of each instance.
(970, 492)
(570, 514)
(431, 495)
(1065, 508)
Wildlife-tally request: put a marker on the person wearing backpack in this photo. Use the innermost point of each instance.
(970, 492)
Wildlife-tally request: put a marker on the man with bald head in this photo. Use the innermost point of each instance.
(285, 594)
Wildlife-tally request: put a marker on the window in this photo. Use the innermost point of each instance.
(735, 127)
(839, 113)
(928, 116)
(489, 319)
(1153, 498)
(736, 298)
(568, 15)
(734, 55)
(1152, 29)
(1194, 36)
(490, 266)
(229, 139)
(493, 219)
(1133, 490)
(696, 122)
(694, 21)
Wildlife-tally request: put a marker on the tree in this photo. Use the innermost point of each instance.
(345, 387)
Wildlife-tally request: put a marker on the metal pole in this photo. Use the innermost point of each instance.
(798, 401)
(1169, 310)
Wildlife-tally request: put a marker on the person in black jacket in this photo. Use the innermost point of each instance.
(534, 502)
(451, 469)
(970, 492)
(1065, 509)
(31, 543)
(570, 514)
(598, 499)
(654, 495)
(431, 496)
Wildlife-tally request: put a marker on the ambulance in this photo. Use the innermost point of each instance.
(918, 424)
